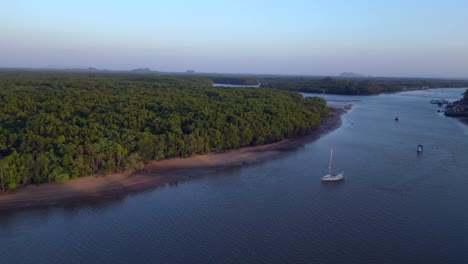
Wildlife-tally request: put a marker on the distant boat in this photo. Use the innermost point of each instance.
(396, 118)
(330, 176)
(420, 148)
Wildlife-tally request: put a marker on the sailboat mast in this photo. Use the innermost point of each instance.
(329, 166)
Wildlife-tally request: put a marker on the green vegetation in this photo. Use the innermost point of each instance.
(358, 86)
(349, 86)
(55, 126)
(237, 81)
(352, 86)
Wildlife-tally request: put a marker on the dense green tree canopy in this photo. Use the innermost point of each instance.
(57, 126)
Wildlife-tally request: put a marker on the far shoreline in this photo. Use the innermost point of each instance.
(159, 173)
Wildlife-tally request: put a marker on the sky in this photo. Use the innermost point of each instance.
(315, 37)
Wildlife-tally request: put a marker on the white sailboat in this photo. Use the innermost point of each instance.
(330, 176)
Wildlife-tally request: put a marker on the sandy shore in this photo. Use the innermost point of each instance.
(158, 172)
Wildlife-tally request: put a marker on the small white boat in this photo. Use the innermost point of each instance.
(420, 148)
(332, 176)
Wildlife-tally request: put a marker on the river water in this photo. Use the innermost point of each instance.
(395, 206)
(236, 85)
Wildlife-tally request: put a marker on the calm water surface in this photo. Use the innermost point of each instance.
(394, 207)
(236, 85)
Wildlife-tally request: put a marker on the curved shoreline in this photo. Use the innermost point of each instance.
(158, 173)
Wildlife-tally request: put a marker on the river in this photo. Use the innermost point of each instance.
(394, 206)
(236, 85)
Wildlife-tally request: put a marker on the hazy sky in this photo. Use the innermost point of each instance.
(316, 37)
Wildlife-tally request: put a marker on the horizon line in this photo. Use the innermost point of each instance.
(151, 71)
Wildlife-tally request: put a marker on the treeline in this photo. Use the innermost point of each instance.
(235, 80)
(57, 79)
(356, 86)
(464, 99)
(338, 85)
(57, 126)
(329, 85)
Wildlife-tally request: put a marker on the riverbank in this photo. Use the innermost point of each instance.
(159, 172)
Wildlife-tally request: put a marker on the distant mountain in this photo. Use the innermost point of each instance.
(141, 70)
(351, 75)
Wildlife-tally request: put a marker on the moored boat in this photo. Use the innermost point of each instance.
(420, 148)
(332, 176)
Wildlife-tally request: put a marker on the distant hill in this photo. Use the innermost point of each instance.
(351, 75)
(141, 70)
(89, 69)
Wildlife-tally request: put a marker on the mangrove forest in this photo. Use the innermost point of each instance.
(55, 126)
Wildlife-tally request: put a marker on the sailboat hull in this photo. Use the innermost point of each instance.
(334, 177)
